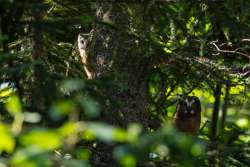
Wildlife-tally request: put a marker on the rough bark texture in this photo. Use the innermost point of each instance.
(113, 52)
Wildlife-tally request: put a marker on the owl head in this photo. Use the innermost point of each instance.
(81, 41)
(189, 106)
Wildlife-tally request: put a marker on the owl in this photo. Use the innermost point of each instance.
(82, 45)
(188, 115)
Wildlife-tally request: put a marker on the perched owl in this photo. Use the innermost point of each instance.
(82, 44)
(188, 115)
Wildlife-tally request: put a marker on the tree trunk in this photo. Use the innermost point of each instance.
(217, 94)
(36, 99)
(225, 106)
(111, 51)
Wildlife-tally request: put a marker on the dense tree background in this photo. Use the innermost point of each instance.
(142, 56)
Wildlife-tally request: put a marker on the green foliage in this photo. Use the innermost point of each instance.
(51, 115)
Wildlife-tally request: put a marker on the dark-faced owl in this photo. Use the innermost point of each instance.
(188, 115)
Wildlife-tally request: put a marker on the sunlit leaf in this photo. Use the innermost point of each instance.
(243, 123)
(68, 129)
(133, 132)
(208, 27)
(13, 105)
(38, 137)
(237, 89)
(190, 22)
(5, 92)
(245, 138)
(89, 135)
(7, 141)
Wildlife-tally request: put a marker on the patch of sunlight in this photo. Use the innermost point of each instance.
(237, 89)
(243, 123)
(245, 138)
(197, 93)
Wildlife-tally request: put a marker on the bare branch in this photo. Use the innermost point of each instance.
(245, 40)
(230, 51)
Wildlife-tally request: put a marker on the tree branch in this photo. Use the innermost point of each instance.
(230, 51)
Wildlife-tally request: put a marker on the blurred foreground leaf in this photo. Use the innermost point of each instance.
(13, 105)
(70, 85)
(7, 141)
(31, 157)
(42, 139)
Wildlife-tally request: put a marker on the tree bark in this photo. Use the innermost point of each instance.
(225, 106)
(36, 99)
(215, 115)
(111, 51)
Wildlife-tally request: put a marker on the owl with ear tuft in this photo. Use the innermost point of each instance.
(187, 118)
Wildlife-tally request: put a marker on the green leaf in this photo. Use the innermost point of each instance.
(68, 129)
(106, 132)
(5, 91)
(13, 105)
(90, 107)
(42, 139)
(128, 160)
(31, 157)
(133, 132)
(83, 154)
(243, 123)
(208, 26)
(71, 85)
(226, 33)
(63, 107)
(7, 142)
